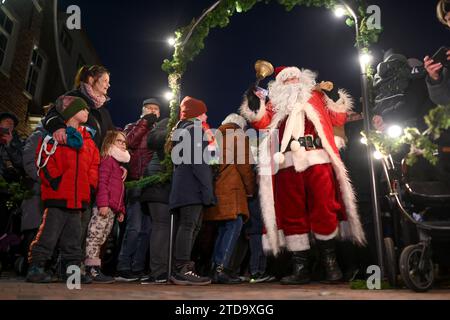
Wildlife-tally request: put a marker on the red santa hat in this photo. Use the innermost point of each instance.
(283, 73)
(192, 108)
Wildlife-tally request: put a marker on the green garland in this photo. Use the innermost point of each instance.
(220, 17)
(17, 191)
(421, 143)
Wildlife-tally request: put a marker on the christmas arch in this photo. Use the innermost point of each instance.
(189, 42)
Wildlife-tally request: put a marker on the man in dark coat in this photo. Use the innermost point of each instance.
(135, 244)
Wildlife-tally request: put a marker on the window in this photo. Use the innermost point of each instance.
(35, 72)
(6, 30)
(66, 40)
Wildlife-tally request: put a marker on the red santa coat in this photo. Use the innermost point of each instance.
(324, 114)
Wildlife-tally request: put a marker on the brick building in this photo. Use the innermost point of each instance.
(31, 75)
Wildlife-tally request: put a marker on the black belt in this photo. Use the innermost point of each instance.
(309, 142)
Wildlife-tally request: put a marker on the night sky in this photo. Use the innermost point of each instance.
(130, 38)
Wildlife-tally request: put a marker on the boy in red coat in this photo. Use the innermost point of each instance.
(69, 176)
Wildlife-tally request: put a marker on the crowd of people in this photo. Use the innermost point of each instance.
(298, 198)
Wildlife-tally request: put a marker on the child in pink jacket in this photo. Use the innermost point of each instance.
(110, 201)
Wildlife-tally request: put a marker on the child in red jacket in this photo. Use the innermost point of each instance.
(69, 175)
(110, 201)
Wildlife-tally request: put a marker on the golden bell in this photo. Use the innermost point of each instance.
(263, 69)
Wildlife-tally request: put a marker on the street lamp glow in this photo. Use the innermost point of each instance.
(339, 11)
(378, 155)
(365, 59)
(394, 131)
(169, 95)
(171, 41)
(364, 141)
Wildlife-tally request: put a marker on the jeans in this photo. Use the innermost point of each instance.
(135, 244)
(258, 260)
(188, 222)
(159, 238)
(228, 234)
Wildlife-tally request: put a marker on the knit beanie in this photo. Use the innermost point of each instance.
(69, 106)
(192, 108)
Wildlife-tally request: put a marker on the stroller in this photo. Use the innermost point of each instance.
(417, 229)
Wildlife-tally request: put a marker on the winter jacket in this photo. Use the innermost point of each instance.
(137, 135)
(111, 189)
(70, 176)
(440, 90)
(99, 119)
(156, 141)
(32, 208)
(11, 159)
(236, 178)
(192, 184)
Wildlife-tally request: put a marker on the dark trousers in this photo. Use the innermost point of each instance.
(159, 238)
(135, 243)
(61, 226)
(188, 223)
(228, 234)
(258, 260)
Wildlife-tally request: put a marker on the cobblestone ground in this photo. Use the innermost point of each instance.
(18, 289)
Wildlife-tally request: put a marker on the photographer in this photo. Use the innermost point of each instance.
(438, 79)
(10, 147)
(10, 160)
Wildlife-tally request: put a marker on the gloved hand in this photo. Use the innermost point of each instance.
(253, 100)
(151, 119)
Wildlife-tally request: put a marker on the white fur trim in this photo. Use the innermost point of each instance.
(287, 73)
(271, 242)
(340, 142)
(298, 242)
(236, 119)
(348, 194)
(266, 245)
(250, 115)
(303, 159)
(344, 104)
(279, 158)
(327, 237)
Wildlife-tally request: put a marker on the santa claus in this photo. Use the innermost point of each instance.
(304, 186)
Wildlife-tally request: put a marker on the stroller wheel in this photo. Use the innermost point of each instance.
(416, 279)
(391, 261)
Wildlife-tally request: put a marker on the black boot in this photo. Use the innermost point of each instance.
(328, 260)
(300, 273)
(220, 276)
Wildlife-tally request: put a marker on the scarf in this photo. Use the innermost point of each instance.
(98, 99)
(119, 155)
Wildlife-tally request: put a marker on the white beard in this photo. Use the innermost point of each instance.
(284, 97)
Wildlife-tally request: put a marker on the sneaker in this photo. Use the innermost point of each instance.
(38, 274)
(187, 276)
(97, 276)
(126, 276)
(259, 278)
(141, 275)
(161, 279)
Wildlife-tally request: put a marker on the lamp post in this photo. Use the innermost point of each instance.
(365, 60)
